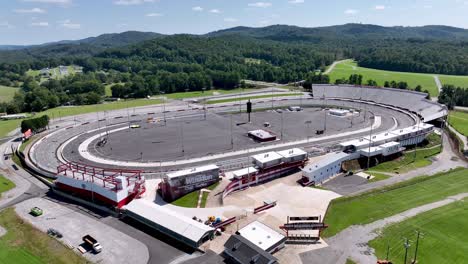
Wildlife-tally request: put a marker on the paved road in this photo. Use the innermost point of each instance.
(353, 241)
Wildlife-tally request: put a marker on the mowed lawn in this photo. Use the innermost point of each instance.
(444, 239)
(7, 93)
(23, 244)
(459, 121)
(191, 199)
(5, 184)
(377, 204)
(9, 125)
(348, 67)
(457, 81)
(408, 161)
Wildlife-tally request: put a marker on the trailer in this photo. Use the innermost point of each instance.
(91, 241)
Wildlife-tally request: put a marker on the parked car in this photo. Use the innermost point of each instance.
(36, 211)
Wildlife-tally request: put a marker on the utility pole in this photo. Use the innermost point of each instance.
(417, 245)
(406, 245)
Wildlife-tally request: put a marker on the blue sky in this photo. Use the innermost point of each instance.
(39, 21)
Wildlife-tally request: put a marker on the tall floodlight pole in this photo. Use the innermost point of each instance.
(232, 139)
(182, 137)
(370, 144)
(307, 123)
(282, 126)
(417, 137)
(128, 113)
(272, 97)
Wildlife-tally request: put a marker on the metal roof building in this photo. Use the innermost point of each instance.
(263, 236)
(171, 223)
(242, 251)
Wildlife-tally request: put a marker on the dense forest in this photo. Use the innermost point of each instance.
(154, 64)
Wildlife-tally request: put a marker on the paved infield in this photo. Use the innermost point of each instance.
(193, 136)
(45, 151)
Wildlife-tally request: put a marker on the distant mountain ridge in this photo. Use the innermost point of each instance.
(282, 32)
(104, 40)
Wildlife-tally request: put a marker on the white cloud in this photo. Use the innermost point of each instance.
(230, 19)
(154, 15)
(427, 6)
(296, 1)
(32, 10)
(68, 24)
(40, 24)
(351, 11)
(63, 2)
(260, 4)
(215, 11)
(197, 8)
(379, 7)
(132, 2)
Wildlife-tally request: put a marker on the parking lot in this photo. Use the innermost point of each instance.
(73, 225)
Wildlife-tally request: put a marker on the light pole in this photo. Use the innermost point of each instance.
(307, 123)
(182, 137)
(272, 98)
(282, 125)
(370, 144)
(232, 139)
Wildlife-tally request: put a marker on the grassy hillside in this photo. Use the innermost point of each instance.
(444, 230)
(23, 244)
(458, 81)
(348, 67)
(374, 205)
(459, 121)
(7, 93)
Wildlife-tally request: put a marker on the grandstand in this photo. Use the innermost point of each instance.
(412, 101)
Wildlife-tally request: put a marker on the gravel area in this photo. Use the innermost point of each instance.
(117, 247)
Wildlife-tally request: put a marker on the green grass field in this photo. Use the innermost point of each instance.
(348, 67)
(5, 184)
(7, 93)
(250, 97)
(191, 199)
(407, 162)
(459, 121)
(458, 81)
(194, 94)
(444, 230)
(377, 204)
(9, 125)
(23, 244)
(377, 176)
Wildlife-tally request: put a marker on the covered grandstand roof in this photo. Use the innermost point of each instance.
(415, 102)
(179, 225)
(192, 171)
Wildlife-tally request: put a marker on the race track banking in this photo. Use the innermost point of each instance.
(64, 142)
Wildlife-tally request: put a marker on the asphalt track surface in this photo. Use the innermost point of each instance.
(46, 154)
(159, 142)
